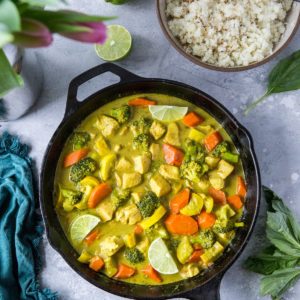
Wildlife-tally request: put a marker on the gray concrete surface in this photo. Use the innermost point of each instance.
(275, 126)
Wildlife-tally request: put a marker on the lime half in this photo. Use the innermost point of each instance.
(160, 258)
(168, 113)
(82, 226)
(117, 45)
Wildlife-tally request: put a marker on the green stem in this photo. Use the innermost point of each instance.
(259, 100)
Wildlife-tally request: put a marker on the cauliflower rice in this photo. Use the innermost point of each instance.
(228, 33)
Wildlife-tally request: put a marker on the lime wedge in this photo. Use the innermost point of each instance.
(117, 45)
(82, 226)
(160, 258)
(167, 113)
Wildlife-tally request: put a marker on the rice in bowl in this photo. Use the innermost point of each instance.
(228, 33)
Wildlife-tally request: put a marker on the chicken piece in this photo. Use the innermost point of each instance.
(172, 136)
(155, 151)
(142, 163)
(157, 130)
(159, 185)
(107, 125)
(111, 245)
(101, 146)
(189, 270)
(123, 165)
(169, 172)
(128, 214)
(130, 180)
(224, 169)
(105, 210)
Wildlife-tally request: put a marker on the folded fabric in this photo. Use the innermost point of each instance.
(20, 225)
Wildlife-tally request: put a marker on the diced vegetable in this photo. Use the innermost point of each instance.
(196, 135)
(192, 119)
(91, 237)
(157, 130)
(151, 273)
(69, 199)
(181, 224)
(79, 139)
(130, 180)
(212, 140)
(107, 165)
(110, 267)
(195, 257)
(213, 253)
(218, 195)
(141, 102)
(100, 192)
(169, 172)
(194, 206)
(130, 240)
(209, 204)
(159, 185)
(241, 187)
(155, 151)
(230, 157)
(205, 238)
(74, 157)
(211, 161)
(84, 257)
(179, 201)
(156, 216)
(89, 181)
(124, 272)
(101, 146)
(173, 156)
(134, 255)
(224, 169)
(225, 212)
(122, 114)
(148, 204)
(184, 250)
(82, 169)
(235, 201)
(172, 135)
(96, 263)
(138, 229)
(142, 163)
(216, 181)
(226, 237)
(189, 270)
(206, 220)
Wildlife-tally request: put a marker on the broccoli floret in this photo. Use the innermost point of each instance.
(80, 139)
(134, 255)
(142, 142)
(83, 168)
(121, 114)
(194, 151)
(193, 170)
(205, 238)
(141, 126)
(120, 197)
(70, 198)
(223, 226)
(221, 148)
(148, 204)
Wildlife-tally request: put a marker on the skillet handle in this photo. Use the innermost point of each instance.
(72, 101)
(210, 291)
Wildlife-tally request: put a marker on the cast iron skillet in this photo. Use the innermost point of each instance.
(199, 287)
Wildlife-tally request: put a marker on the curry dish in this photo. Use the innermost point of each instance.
(145, 200)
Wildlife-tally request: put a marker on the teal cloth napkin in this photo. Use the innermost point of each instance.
(20, 225)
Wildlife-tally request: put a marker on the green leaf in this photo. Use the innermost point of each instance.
(5, 36)
(9, 79)
(9, 15)
(279, 282)
(284, 77)
(41, 3)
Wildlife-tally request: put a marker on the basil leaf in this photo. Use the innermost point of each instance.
(278, 282)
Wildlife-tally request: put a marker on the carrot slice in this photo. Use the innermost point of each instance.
(179, 201)
(195, 257)
(90, 238)
(235, 201)
(173, 156)
(141, 102)
(212, 140)
(192, 119)
(100, 192)
(206, 220)
(138, 229)
(181, 224)
(218, 195)
(241, 187)
(151, 273)
(197, 246)
(124, 272)
(96, 263)
(74, 157)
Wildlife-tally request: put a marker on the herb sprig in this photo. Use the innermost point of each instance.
(284, 77)
(280, 261)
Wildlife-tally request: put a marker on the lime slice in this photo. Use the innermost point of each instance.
(117, 45)
(82, 226)
(160, 258)
(167, 113)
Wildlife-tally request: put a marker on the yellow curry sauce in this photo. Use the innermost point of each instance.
(114, 220)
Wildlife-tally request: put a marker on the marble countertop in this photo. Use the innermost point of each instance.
(275, 126)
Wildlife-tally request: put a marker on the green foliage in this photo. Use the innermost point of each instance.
(206, 238)
(83, 168)
(148, 204)
(120, 197)
(279, 261)
(142, 142)
(134, 255)
(121, 114)
(79, 139)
